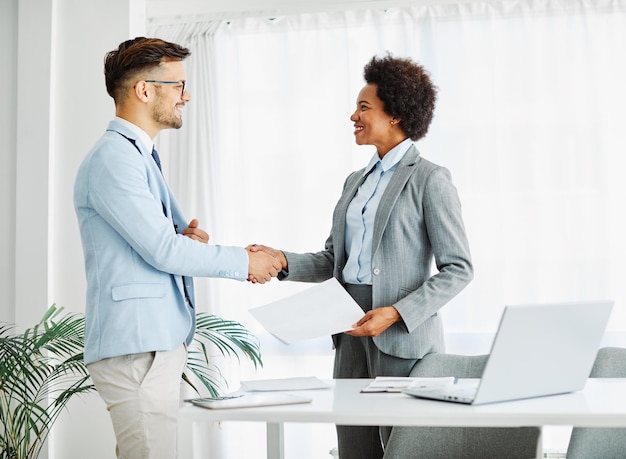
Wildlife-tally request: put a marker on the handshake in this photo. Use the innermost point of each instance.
(264, 263)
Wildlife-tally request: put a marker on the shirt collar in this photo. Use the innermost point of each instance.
(142, 136)
(392, 158)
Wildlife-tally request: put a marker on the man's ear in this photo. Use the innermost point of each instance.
(141, 91)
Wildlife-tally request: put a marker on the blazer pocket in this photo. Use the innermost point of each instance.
(130, 291)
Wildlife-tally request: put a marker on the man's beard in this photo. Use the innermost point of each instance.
(166, 118)
(164, 115)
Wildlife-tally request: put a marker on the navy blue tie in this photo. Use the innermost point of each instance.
(156, 158)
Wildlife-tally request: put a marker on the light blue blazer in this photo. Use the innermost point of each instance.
(418, 222)
(135, 256)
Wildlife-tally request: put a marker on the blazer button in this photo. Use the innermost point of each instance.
(376, 271)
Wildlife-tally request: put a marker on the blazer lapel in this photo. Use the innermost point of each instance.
(158, 187)
(339, 229)
(390, 196)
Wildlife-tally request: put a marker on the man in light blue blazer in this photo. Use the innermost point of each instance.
(395, 218)
(140, 253)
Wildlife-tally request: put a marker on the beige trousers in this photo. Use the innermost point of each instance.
(142, 394)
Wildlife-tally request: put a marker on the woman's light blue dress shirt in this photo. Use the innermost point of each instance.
(362, 211)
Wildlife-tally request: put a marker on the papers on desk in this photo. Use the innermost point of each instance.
(299, 383)
(398, 383)
(263, 392)
(248, 400)
(322, 310)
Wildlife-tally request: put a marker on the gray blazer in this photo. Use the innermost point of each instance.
(418, 219)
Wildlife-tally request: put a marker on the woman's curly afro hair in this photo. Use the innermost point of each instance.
(406, 90)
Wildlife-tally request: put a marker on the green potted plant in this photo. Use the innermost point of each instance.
(42, 368)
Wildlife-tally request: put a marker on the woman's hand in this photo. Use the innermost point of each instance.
(278, 254)
(376, 321)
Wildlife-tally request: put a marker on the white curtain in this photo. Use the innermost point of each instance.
(529, 121)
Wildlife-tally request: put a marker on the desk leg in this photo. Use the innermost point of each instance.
(275, 440)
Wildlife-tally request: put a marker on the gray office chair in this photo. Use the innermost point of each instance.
(460, 442)
(605, 443)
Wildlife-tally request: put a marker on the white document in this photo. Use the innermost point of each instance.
(398, 383)
(322, 310)
(297, 383)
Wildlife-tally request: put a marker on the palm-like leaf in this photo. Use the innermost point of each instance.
(40, 370)
(230, 338)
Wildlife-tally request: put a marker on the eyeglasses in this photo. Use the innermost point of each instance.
(179, 83)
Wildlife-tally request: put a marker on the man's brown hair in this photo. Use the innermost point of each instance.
(136, 56)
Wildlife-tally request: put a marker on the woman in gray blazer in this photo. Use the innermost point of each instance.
(394, 218)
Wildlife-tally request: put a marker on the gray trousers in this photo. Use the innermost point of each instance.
(358, 357)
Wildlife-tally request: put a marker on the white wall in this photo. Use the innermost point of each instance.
(8, 81)
(34, 132)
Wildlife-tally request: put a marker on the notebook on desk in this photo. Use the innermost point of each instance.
(538, 350)
(248, 400)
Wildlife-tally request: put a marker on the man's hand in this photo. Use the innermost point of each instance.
(278, 254)
(262, 266)
(270, 251)
(376, 321)
(195, 233)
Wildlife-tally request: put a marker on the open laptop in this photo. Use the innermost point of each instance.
(538, 350)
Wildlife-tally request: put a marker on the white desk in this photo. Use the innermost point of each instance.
(601, 404)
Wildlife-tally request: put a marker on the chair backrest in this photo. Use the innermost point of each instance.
(460, 366)
(607, 443)
(610, 363)
(459, 442)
